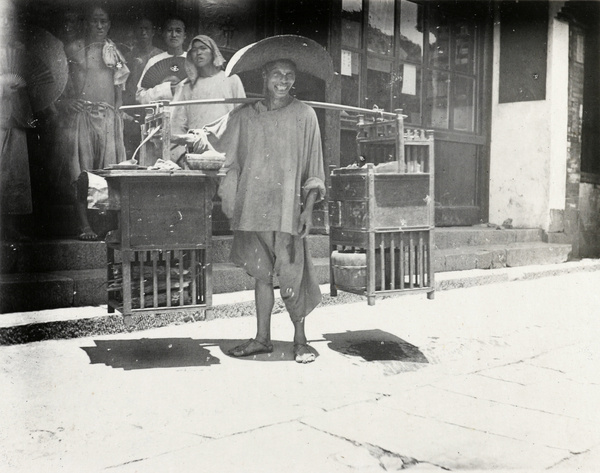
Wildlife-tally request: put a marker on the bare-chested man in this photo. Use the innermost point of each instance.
(94, 132)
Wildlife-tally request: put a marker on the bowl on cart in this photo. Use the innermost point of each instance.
(207, 161)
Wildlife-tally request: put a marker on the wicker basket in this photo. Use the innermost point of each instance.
(205, 162)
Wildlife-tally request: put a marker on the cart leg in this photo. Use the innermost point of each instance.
(371, 300)
(128, 321)
(110, 258)
(332, 286)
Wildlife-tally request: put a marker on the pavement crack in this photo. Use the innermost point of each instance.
(563, 460)
(388, 460)
(500, 379)
(507, 403)
(126, 463)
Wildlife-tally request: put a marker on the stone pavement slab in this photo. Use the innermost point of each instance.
(289, 447)
(407, 383)
(505, 420)
(563, 398)
(433, 441)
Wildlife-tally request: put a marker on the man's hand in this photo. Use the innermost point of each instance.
(72, 105)
(174, 81)
(129, 118)
(305, 223)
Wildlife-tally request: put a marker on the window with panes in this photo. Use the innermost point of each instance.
(417, 56)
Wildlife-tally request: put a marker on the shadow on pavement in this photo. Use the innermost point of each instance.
(374, 345)
(148, 353)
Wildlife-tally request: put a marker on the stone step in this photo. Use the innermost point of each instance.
(52, 255)
(37, 291)
(52, 290)
(500, 256)
(71, 254)
(479, 235)
(26, 327)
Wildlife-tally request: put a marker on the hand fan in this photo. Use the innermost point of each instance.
(40, 64)
(171, 66)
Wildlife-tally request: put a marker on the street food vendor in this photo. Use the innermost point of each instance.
(274, 175)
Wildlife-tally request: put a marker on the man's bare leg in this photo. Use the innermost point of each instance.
(302, 352)
(85, 230)
(265, 300)
(264, 296)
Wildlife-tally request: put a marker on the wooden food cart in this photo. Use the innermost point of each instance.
(160, 259)
(381, 223)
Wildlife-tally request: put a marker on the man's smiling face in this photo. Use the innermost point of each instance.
(279, 78)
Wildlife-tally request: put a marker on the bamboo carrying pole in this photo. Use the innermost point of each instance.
(324, 105)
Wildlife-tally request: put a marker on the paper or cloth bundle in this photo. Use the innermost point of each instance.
(164, 165)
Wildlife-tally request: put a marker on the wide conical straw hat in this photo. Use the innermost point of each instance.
(308, 55)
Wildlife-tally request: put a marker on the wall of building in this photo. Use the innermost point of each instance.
(529, 143)
(589, 223)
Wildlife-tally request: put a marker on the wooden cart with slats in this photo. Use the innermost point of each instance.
(160, 260)
(382, 223)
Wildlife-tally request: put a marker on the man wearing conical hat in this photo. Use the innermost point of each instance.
(274, 166)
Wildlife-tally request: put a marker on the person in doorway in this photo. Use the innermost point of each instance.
(206, 80)
(69, 25)
(16, 117)
(94, 131)
(141, 53)
(137, 59)
(174, 36)
(274, 176)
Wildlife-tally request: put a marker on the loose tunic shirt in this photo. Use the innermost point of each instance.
(219, 86)
(273, 159)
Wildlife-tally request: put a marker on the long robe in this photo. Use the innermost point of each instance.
(273, 158)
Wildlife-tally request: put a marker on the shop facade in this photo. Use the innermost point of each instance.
(509, 88)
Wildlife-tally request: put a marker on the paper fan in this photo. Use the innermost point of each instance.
(40, 65)
(157, 73)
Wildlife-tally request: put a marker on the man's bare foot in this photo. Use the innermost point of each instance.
(87, 234)
(303, 353)
(251, 347)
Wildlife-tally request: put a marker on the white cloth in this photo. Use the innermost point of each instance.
(97, 197)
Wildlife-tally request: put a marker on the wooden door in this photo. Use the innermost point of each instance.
(433, 61)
